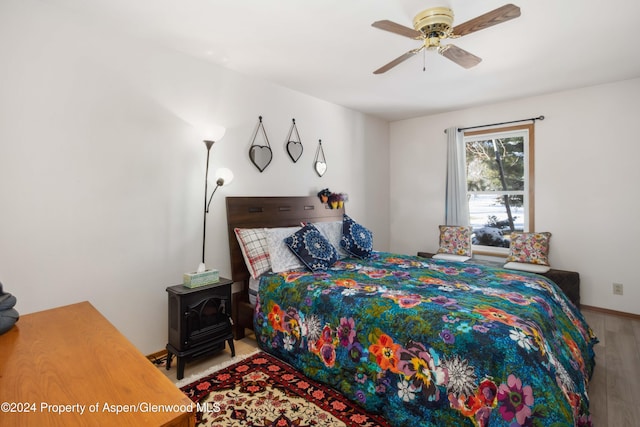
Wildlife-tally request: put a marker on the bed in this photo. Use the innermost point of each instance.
(424, 342)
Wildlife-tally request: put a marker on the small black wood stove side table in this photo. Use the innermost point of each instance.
(199, 322)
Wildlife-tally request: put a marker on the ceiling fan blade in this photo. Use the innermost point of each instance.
(459, 56)
(397, 61)
(397, 29)
(497, 16)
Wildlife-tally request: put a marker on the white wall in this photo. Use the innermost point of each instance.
(586, 176)
(102, 164)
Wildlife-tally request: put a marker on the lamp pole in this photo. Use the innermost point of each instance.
(208, 143)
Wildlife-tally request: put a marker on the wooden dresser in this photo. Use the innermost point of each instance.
(72, 359)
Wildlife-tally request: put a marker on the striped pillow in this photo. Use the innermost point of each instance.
(253, 244)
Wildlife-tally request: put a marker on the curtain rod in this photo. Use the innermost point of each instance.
(533, 119)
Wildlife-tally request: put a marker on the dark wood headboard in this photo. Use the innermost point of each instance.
(254, 212)
(268, 212)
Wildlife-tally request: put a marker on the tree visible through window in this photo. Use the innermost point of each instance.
(499, 184)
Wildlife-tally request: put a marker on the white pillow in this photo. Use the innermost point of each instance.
(452, 257)
(531, 268)
(281, 257)
(332, 231)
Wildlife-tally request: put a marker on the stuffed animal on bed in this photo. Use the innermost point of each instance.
(8, 315)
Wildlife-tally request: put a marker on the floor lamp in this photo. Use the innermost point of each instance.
(223, 176)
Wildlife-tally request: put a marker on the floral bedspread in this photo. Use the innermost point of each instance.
(433, 343)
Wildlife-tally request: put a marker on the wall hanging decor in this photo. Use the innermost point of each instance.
(260, 154)
(294, 145)
(320, 163)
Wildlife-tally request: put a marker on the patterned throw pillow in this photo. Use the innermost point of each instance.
(531, 248)
(455, 240)
(356, 239)
(333, 232)
(312, 248)
(253, 245)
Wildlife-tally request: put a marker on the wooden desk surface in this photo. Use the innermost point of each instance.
(71, 358)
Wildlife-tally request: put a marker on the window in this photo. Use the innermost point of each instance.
(499, 168)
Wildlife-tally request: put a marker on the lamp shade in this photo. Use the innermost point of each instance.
(225, 174)
(214, 133)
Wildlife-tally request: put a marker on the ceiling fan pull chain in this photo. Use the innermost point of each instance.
(424, 60)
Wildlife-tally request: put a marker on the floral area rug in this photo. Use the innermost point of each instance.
(262, 391)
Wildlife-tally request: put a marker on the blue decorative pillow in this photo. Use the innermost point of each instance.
(312, 248)
(356, 239)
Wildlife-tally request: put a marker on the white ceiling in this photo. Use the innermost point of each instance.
(328, 49)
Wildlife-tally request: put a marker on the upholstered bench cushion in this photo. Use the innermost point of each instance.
(568, 281)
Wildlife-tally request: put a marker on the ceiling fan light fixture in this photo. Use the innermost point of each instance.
(434, 22)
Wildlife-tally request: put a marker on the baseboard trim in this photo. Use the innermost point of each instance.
(612, 312)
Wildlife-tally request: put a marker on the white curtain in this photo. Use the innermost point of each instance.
(456, 205)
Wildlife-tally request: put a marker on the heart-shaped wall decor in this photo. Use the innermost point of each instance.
(321, 168)
(294, 149)
(294, 144)
(260, 156)
(320, 164)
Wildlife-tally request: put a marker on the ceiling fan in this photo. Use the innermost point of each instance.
(433, 25)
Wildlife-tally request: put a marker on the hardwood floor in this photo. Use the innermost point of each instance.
(243, 347)
(614, 388)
